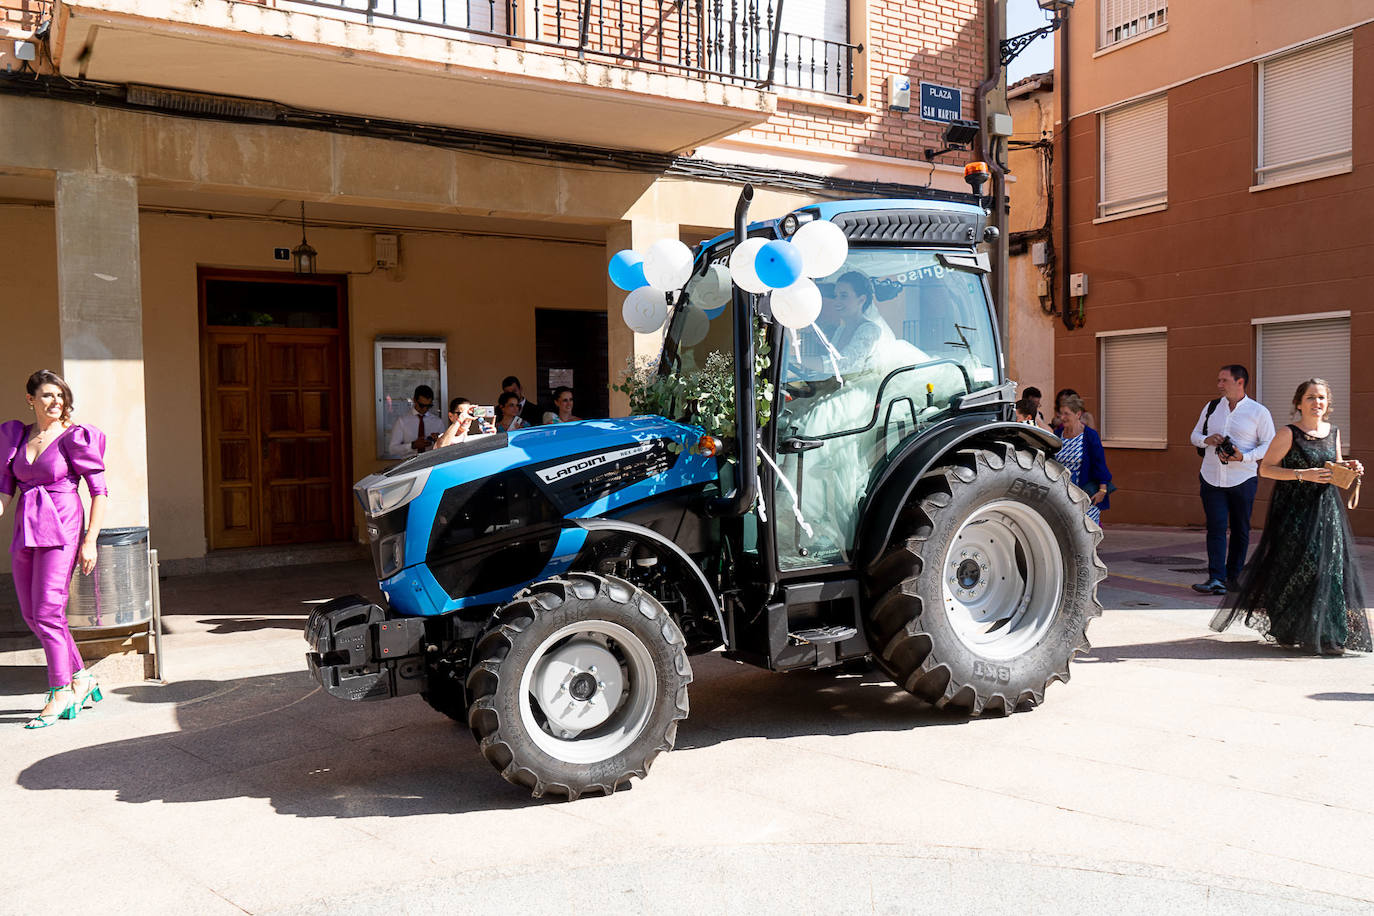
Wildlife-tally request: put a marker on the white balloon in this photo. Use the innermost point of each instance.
(823, 247)
(645, 310)
(667, 265)
(798, 305)
(695, 324)
(712, 290)
(742, 266)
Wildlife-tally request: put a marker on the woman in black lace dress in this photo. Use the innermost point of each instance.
(1302, 586)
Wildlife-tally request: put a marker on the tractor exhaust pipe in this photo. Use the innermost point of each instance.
(746, 418)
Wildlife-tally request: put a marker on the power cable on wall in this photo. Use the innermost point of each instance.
(1045, 233)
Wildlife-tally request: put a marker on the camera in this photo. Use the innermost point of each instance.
(1227, 449)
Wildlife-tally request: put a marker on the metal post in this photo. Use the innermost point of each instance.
(155, 625)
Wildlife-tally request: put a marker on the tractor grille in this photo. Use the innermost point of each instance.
(911, 226)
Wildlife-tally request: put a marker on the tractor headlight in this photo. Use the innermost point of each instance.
(391, 555)
(387, 495)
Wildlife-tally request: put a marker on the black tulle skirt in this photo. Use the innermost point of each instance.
(1302, 586)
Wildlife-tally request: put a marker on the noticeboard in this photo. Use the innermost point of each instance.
(400, 364)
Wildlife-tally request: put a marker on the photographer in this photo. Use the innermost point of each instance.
(1232, 434)
(464, 423)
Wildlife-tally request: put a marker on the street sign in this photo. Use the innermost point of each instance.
(940, 103)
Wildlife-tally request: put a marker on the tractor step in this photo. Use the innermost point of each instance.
(822, 635)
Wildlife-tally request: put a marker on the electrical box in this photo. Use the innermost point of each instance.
(1042, 288)
(899, 93)
(1040, 254)
(1078, 284)
(999, 124)
(387, 249)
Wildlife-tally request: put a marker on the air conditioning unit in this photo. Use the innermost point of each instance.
(387, 249)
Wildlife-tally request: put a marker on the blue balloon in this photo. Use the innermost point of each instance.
(714, 313)
(627, 270)
(778, 264)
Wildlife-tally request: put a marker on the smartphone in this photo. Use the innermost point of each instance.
(484, 411)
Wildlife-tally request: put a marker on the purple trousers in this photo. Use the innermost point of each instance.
(42, 577)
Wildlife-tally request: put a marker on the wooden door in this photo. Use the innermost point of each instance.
(275, 437)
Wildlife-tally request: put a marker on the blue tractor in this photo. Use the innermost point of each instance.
(871, 500)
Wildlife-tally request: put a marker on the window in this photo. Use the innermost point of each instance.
(1293, 349)
(1134, 154)
(814, 54)
(1134, 401)
(1305, 113)
(1122, 20)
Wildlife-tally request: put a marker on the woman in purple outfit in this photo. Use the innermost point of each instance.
(42, 460)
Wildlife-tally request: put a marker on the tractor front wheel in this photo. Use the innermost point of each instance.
(577, 685)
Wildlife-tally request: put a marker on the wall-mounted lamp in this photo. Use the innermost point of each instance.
(1059, 12)
(303, 256)
(959, 135)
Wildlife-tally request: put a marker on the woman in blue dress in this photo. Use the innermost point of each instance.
(1082, 456)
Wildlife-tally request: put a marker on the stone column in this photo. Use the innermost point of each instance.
(623, 344)
(101, 313)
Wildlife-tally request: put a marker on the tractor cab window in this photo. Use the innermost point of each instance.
(901, 334)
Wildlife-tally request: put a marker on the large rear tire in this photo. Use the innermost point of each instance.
(984, 594)
(577, 685)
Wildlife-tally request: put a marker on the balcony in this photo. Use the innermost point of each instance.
(633, 74)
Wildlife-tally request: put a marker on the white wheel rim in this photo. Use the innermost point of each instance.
(1002, 579)
(588, 691)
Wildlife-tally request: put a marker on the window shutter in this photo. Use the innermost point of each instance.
(827, 19)
(1135, 149)
(1119, 20)
(1134, 403)
(1290, 352)
(1305, 112)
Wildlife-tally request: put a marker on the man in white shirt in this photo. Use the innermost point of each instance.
(410, 434)
(1233, 433)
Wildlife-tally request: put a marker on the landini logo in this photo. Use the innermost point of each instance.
(559, 471)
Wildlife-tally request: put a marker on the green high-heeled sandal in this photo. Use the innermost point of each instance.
(88, 697)
(68, 712)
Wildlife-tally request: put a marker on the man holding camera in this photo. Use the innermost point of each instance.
(1232, 434)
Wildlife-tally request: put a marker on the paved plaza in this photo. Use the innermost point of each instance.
(1180, 771)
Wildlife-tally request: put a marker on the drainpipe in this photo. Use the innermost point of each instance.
(746, 415)
(991, 99)
(1061, 80)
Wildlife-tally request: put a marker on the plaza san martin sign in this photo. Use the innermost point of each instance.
(940, 103)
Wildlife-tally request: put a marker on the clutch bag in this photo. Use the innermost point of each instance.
(1341, 475)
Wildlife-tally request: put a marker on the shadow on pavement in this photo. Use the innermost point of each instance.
(1197, 647)
(219, 625)
(281, 738)
(1343, 696)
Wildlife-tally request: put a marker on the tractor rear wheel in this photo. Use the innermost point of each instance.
(577, 685)
(984, 594)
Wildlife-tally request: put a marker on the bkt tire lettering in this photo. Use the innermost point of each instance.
(997, 674)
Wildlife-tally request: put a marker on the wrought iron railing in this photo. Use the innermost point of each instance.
(734, 41)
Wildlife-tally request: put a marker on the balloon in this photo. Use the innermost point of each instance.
(778, 264)
(627, 270)
(823, 247)
(713, 314)
(742, 266)
(695, 324)
(798, 305)
(645, 310)
(667, 265)
(712, 291)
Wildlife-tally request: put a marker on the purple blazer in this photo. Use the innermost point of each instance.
(48, 511)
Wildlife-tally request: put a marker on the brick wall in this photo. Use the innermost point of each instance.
(939, 41)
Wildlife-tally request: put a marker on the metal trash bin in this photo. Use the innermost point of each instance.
(118, 593)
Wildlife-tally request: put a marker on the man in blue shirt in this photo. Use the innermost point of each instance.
(1233, 433)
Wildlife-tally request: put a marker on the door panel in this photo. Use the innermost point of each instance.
(232, 431)
(301, 447)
